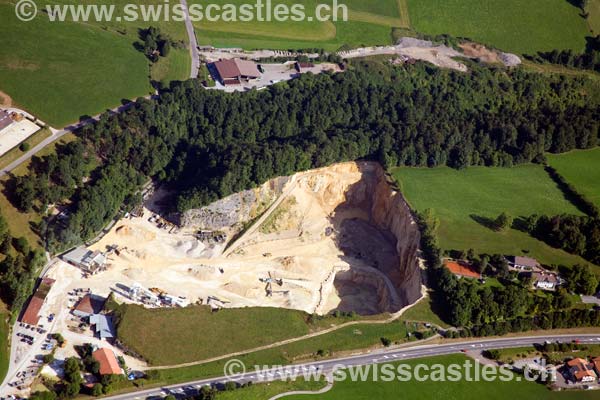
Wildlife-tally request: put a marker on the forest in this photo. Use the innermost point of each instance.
(208, 144)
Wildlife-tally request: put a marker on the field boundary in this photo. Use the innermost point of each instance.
(392, 318)
(404, 14)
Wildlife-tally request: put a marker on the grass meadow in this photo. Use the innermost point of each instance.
(594, 18)
(581, 168)
(61, 71)
(369, 23)
(464, 200)
(461, 390)
(202, 334)
(512, 25)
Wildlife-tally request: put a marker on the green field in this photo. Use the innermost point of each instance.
(581, 168)
(512, 25)
(176, 67)
(462, 390)
(593, 20)
(465, 200)
(423, 312)
(63, 70)
(369, 23)
(337, 343)
(4, 348)
(202, 334)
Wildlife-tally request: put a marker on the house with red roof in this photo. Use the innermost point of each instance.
(108, 362)
(581, 371)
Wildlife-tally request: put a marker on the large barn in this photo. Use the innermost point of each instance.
(235, 71)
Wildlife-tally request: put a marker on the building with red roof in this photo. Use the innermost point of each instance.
(581, 370)
(108, 362)
(235, 71)
(31, 316)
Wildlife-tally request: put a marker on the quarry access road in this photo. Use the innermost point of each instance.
(327, 367)
(253, 228)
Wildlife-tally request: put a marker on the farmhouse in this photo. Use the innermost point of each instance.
(89, 261)
(235, 71)
(580, 370)
(89, 305)
(545, 280)
(31, 316)
(461, 269)
(108, 362)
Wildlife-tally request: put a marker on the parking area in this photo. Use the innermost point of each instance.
(275, 73)
(29, 345)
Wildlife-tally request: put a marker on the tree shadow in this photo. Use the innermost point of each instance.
(520, 224)
(485, 221)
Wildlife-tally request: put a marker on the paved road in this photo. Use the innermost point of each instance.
(377, 357)
(56, 135)
(193, 42)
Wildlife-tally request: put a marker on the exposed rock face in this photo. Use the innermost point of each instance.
(356, 221)
(388, 210)
(235, 209)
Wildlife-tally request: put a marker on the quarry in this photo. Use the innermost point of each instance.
(336, 238)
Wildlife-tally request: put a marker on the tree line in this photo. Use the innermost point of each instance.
(575, 234)
(485, 310)
(19, 265)
(589, 59)
(209, 144)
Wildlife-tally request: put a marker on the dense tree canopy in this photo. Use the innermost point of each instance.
(208, 144)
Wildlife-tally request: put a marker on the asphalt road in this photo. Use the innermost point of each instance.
(193, 42)
(56, 135)
(377, 357)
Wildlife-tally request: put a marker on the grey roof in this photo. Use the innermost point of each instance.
(526, 261)
(5, 119)
(85, 257)
(102, 325)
